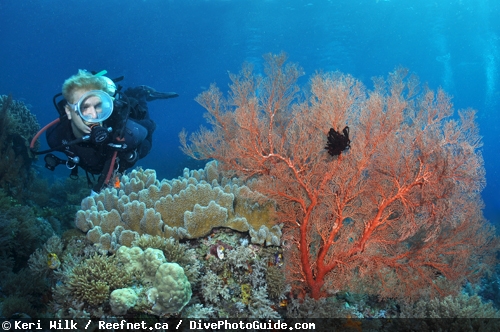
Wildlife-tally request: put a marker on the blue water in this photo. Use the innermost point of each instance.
(184, 45)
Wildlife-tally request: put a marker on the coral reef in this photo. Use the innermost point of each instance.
(170, 290)
(21, 292)
(246, 282)
(461, 306)
(490, 288)
(390, 215)
(174, 252)
(84, 282)
(310, 308)
(165, 278)
(185, 208)
(236, 282)
(17, 126)
(198, 311)
(460, 313)
(15, 304)
(21, 232)
(199, 246)
(39, 260)
(92, 280)
(133, 280)
(122, 299)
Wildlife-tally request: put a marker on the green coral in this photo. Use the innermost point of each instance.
(94, 278)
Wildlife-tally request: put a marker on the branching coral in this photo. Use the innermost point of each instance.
(93, 279)
(310, 308)
(461, 306)
(26, 232)
(236, 282)
(464, 313)
(398, 210)
(39, 260)
(276, 283)
(17, 126)
(22, 285)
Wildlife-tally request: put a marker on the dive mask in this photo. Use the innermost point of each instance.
(94, 106)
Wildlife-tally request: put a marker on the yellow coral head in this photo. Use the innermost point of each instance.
(53, 261)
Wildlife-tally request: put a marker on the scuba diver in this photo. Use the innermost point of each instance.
(101, 129)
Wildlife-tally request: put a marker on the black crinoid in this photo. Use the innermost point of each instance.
(338, 142)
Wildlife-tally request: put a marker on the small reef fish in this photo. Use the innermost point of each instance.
(53, 261)
(117, 182)
(278, 259)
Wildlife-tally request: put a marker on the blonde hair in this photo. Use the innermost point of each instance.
(82, 80)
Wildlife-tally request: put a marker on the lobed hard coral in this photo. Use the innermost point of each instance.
(171, 290)
(122, 299)
(163, 287)
(188, 207)
(174, 252)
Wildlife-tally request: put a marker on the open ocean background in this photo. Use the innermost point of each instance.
(184, 45)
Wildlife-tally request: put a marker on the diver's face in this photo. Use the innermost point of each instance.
(89, 108)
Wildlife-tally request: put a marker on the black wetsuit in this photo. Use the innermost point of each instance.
(94, 158)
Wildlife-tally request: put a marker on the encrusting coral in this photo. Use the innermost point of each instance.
(185, 208)
(174, 252)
